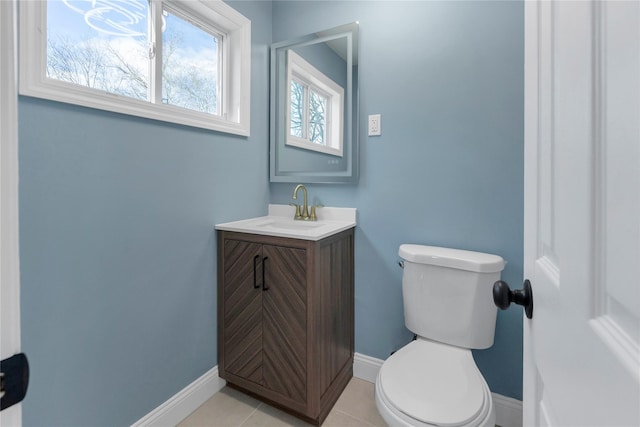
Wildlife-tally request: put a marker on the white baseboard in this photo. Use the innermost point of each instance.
(187, 400)
(366, 367)
(508, 410)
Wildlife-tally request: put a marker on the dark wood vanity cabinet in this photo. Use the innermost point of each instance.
(285, 319)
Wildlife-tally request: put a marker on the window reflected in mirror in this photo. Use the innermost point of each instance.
(315, 108)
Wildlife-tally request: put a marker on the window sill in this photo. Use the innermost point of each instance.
(73, 94)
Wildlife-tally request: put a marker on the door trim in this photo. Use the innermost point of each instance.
(531, 134)
(9, 249)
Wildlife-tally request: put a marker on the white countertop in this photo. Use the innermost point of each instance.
(280, 223)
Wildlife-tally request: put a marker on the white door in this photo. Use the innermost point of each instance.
(582, 213)
(9, 265)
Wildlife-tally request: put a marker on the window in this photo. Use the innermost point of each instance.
(182, 61)
(315, 106)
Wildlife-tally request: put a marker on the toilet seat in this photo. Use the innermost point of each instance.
(427, 383)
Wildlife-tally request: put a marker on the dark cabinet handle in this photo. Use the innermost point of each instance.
(503, 296)
(264, 268)
(255, 268)
(14, 380)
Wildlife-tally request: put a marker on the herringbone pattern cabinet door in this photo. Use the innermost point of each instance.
(243, 310)
(284, 321)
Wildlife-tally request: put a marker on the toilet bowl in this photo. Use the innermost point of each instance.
(426, 383)
(434, 380)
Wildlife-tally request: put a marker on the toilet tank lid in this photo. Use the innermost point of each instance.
(453, 258)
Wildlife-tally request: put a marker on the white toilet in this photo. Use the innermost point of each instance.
(448, 304)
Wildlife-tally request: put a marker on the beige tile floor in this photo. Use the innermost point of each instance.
(231, 408)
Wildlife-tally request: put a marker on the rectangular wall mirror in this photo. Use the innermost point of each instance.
(314, 107)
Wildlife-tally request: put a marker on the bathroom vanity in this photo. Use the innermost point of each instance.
(285, 310)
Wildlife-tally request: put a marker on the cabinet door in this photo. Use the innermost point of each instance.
(285, 321)
(242, 296)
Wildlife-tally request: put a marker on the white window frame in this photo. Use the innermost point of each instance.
(236, 69)
(314, 79)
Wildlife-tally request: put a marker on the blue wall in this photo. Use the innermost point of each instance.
(117, 213)
(447, 78)
(117, 249)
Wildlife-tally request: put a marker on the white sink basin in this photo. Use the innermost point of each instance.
(280, 223)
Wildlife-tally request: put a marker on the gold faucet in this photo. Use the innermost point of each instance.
(302, 212)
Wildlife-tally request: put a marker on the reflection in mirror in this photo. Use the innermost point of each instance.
(315, 104)
(314, 108)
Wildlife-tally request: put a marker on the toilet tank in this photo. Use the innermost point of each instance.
(448, 296)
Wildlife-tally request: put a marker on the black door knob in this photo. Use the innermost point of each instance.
(503, 296)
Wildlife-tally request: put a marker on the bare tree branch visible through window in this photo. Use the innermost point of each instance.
(120, 66)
